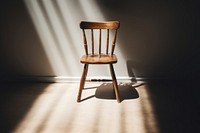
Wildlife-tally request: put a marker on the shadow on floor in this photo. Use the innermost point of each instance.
(16, 100)
(176, 105)
(126, 91)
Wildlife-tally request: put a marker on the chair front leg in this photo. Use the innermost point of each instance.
(115, 83)
(82, 81)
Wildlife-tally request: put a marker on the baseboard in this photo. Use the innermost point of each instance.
(60, 79)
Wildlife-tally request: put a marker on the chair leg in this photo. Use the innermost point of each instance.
(82, 81)
(114, 83)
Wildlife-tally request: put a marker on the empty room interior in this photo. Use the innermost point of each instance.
(157, 67)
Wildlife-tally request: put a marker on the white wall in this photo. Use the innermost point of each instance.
(156, 39)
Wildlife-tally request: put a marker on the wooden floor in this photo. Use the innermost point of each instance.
(153, 107)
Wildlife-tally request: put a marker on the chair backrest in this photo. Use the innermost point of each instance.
(106, 25)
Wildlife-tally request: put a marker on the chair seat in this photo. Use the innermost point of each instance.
(96, 59)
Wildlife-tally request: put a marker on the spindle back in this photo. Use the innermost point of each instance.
(100, 26)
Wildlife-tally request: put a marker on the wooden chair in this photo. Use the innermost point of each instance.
(99, 57)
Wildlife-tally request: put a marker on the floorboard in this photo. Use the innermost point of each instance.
(155, 107)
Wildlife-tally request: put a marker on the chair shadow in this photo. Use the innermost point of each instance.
(126, 91)
(89, 97)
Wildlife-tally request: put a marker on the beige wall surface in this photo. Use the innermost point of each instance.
(156, 38)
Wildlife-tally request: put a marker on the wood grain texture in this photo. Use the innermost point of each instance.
(96, 59)
(100, 25)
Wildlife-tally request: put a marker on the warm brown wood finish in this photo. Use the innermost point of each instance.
(95, 59)
(82, 82)
(108, 26)
(101, 57)
(92, 36)
(107, 41)
(85, 42)
(114, 82)
(99, 25)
